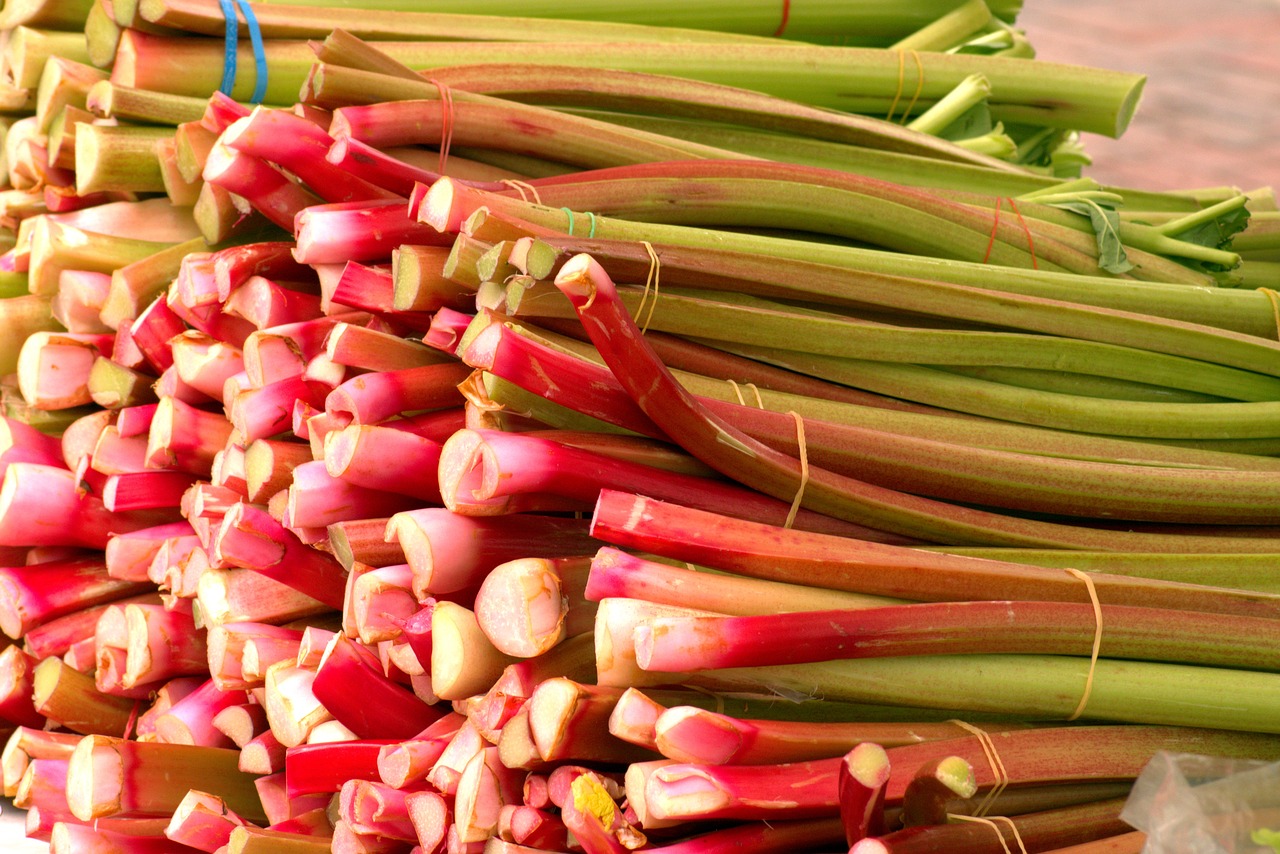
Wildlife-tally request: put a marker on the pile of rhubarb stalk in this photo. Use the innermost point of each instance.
(476, 433)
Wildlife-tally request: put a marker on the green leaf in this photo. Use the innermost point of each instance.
(1263, 836)
(1106, 229)
(1218, 232)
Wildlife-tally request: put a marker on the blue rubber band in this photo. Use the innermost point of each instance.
(592, 233)
(230, 43)
(569, 214)
(259, 52)
(231, 46)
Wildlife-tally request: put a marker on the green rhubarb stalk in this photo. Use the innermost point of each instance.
(658, 95)
(109, 100)
(950, 29)
(317, 20)
(1036, 686)
(1238, 571)
(881, 21)
(729, 451)
(29, 49)
(746, 320)
(852, 79)
(21, 317)
(119, 158)
(971, 92)
(1139, 419)
(63, 82)
(1125, 311)
(939, 426)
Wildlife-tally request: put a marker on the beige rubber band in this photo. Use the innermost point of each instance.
(1275, 307)
(653, 279)
(804, 469)
(993, 759)
(915, 54)
(991, 822)
(756, 389)
(1097, 640)
(522, 187)
(446, 123)
(738, 391)
(897, 96)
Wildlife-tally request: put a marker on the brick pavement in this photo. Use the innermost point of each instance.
(1210, 114)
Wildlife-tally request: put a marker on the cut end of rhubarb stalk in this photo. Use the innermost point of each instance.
(520, 607)
(689, 734)
(677, 791)
(95, 778)
(578, 277)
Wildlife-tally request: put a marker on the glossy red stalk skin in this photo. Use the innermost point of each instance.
(17, 686)
(299, 146)
(21, 442)
(843, 563)
(746, 792)
(319, 768)
(34, 595)
(58, 635)
(678, 644)
(1040, 831)
(265, 187)
(860, 785)
(351, 686)
(317, 500)
(490, 464)
(377, 167)
(261, 413)
(235, 265)
(371, 808)
(450, 553)
(55, 514)
(360, 231)
(248, 537)
(371, 398)
(146, 490)
(190, 719)
(387, 459)
(186, 438)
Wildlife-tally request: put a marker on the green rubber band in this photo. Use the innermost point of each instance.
(592, 233)
(569, 214)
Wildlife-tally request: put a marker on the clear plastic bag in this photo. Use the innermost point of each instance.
(1191, 804)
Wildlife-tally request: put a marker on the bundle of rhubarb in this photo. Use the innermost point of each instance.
(605, 437)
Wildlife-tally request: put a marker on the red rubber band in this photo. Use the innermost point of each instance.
(994, 227)
(786, 17)
(1031, 246)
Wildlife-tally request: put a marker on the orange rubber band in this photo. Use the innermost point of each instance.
(1026, 229)
(991, 822)
(653, 279)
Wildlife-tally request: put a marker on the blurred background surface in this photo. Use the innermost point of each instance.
(1210, 114)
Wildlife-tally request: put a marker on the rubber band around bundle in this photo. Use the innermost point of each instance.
(231, 46)
(653, 279)
(902, 75)
(995, 227)
(993, 760)
(446, 123)
(991, 822)
(786, 19)
(522, 187)
(804, 469)
(1097, 640)
(737, 389)
(1275, 307)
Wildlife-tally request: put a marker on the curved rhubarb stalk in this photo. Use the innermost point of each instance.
(728, 450)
